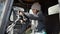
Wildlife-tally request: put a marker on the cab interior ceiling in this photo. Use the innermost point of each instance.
(26, 4)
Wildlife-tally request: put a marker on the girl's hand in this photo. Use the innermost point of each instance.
(21, 13)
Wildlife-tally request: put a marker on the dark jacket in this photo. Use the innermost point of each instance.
(40, 18)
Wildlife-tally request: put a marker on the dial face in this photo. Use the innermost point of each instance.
(53, 10)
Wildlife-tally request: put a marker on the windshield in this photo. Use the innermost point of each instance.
(2, 4)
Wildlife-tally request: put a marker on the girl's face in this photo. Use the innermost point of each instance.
(35, 11)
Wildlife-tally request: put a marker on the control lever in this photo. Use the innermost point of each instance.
(9, 28)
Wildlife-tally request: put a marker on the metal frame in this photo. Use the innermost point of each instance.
(5, 15)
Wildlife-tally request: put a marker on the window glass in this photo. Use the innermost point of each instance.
(2, 4)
